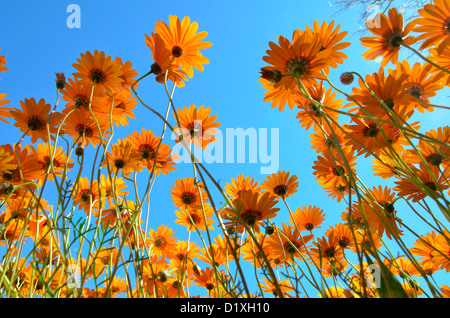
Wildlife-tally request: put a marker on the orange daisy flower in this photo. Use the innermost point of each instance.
(240, 184)
(123, 107)
(196, 125)
(304, 58)
(106, 188)
(128, 74)
(327, 248)
(182, 250)
(369, 137)
(434, 154)
(122, 213)
(2, 63)
(310, 113)
(83, 128)
(328, 138)
(33, 119)
(407, 188)
(434, 25)
(122, 158)
(184, 43)
(185, 193)
(146, 144)
(442, 60)
(308, 218)
(390, 35)
(443, 246)
(403, 267)
(59, 162)
(251, 253)
(99, 70)
(391, 89)
(6, 161)
(285, 286)
(253, 208)
(280, 184)
(117, 286)
(161, 241)
(277, 95)
(101, 259)
(27, 167)
(420, 84)
(192, 217)
(330, 170)
(4, 111)
(382, 220)
(78, 96)
(86, 196)
(162, 57)
(343, 234)
(286, 245)
(425, 247)
(364, 241)
(332, 39)
(206, 278)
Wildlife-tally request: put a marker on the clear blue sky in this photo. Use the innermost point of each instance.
(37, 43)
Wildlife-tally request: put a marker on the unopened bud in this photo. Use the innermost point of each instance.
(60, 81)
(347, 78)
(273, 76)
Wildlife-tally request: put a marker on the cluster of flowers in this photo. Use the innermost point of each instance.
(374, 123)
(100, 97)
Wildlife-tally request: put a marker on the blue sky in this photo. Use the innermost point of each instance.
(37, 43)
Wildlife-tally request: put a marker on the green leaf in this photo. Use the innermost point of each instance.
(389, 286)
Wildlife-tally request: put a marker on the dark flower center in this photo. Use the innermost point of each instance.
(389, 103)
(416, 91)
(329, 252)
(280, 189)
(431, 185)
(339, 171)
(435, 159)
(291, 249)
(177, 51)
(81, 101)
(82, 129)
(251, 217)
(35, 123)
(97, 76)
(371, 131)
(146, 151)
(309, 226)
(85, 195)
(188, 198)
(298, 67)
(344, 241)
(119, 163)
(394, 40)
(156, 69)
(195, 219)
(159, 242)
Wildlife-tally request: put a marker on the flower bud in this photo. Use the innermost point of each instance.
(273, 76)
(60, 81)
(347, 78)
